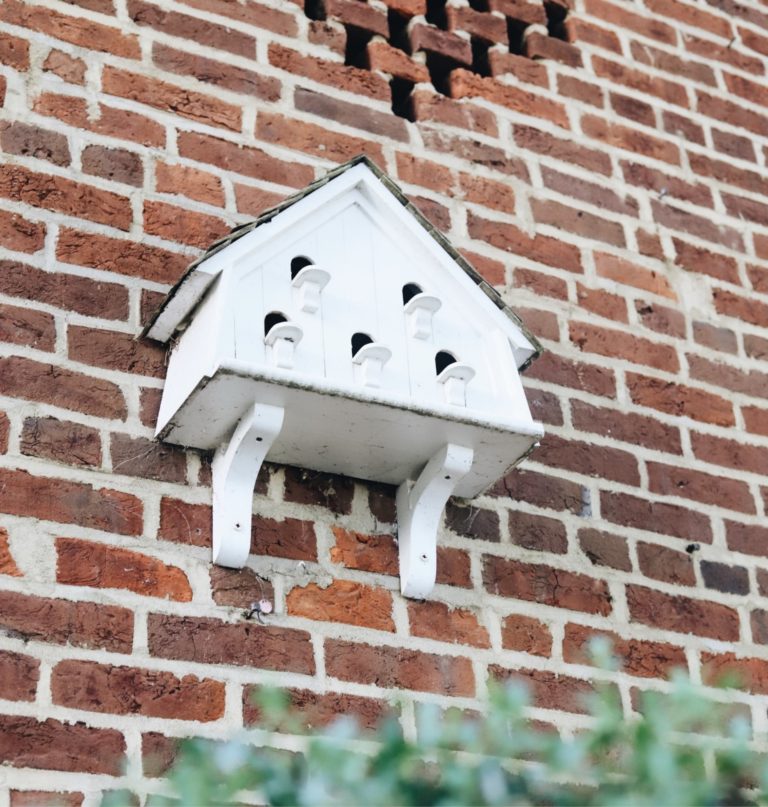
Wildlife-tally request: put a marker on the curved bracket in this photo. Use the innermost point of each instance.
(310, 281)
(419, 310)
(371, 358)
(454, 379)
(419, 511)
(283, 338)
(234, 471)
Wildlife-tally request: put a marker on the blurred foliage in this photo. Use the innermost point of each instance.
(682, 749)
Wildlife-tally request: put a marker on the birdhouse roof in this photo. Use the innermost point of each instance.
(189, 290)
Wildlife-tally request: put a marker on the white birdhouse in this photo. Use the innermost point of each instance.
(341, 332)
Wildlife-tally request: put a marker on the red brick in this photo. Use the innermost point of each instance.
(367, 553)
(667, 565)
(191, 182)
(252, 13)
(649, 26)
(540, 283)
(109, 121)
(35, 798)
(290, 538)
(69, 292)
(520, 10)
(47, 383)
(526, 634)
(358, 15)
(170, 98)
(550, 251)
(543, 46)
(474, 152)
(661, 319)
(751, 539)
(340, 76)
(82, 624)
(548, 690)
(115, 350)
(19, 675)
(248, 161)
(672, 64)
(759, 618)
(52, 745)
(239, 587)
(547, 145)
(637, 656)
(545, 585)
(453, 567)
(691, 15)
(343, 601)
(579, 90)
(631, 274)
(355, 115)
(680, 400)
(431, 106)
(544, 324)
(724, 492)
(318, 710)
(537, 532)
(7, 563)
(442, 43)
(746, 673)
(436, 620)
(574, 374)
(722, 339)
(588, 459)
(577, 221)
(106, 688)
(211, 641)
(387, 59)
(755, 419)
(725, 578)
(185, 523)
(20, 234)
(65, 66)
(620, 345)
(640, 81)
(182, 226)
(733, 145)
(682, 126)
(324, 490)
(400, 668)
(576, 188)
(14, 52)
(729, 453)
(579, 30)
(755, 347)
(472, 522)
(465, 84)
(605, 549)
(84, 32)
(644, 176)
(312, 139)
(627, 427)
(23, 326)
(118, 255)
(720, 109)
(745, 308)
(27, 140)
(61, 441)
(630, 139)
(70, 503)
(666, 519)
(635, 110)
(118, 165)
(682, 614)
(758, 277)
(19, 184)
(195, 29)
(87, 563)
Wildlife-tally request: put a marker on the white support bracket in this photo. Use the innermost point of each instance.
(419, 511)
(234, 470)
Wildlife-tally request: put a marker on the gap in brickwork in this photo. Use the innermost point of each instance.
(356, 50)
(439, 65)
(556, 15)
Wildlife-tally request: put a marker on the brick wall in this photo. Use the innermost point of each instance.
(602, 165)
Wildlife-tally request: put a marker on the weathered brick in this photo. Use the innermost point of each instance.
(119, 165)
(22, 326)
(82, 624)
(436, 620)
(317, 710)
(706, 488)
(526, 634)
(211, 641)
(343, 601)
(68, 502)
(748, 673)
(20, 234)
(27, 140)
(61, 441)
(290, 538)
(313, 487)
(537, 532)
(87, 563)
(548, 690)
(20, 184)
(185, 523)
(367, 553)
(66, 67)
(98, 687)
(605, 549)
(680, 400)
(631, 274)
(119, 255)
(751, 539)
(682, 614)
(627, 427)
(617, 344)
(238, 587)
(69, 292)
(34, 798)
(400, 668)
(7, 563)
(665, 564)
(472, 522)
(19, 675)
(725, 578)
(545, 585)
(637, 656)
(666, 519)
(589, 459)
(52, 745)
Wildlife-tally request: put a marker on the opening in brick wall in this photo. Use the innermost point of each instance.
(439, 38)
